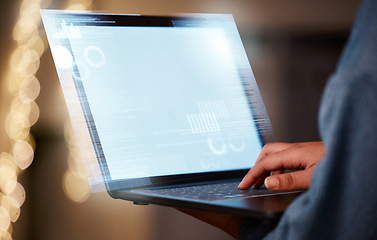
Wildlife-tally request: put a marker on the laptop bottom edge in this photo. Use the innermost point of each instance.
(271, 206)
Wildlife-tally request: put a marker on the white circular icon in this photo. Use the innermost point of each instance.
(63, 58)
(94, 56)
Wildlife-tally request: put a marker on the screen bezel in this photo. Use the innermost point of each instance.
(99, 19)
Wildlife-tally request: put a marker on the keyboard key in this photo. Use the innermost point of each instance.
(207, 192)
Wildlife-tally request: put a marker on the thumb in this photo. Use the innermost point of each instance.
(299, 180)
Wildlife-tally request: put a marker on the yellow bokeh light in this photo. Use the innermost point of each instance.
(10, 231)
(7, 159)
(75, 163)
(33, 114)
(69, 137)
(29, 89)
(78, 6)
(13, 81)
(30, 139)
(23, 112)
(44, 3)
(19, 106)
(16, 57)
(11, 206)
(75, 182)
(4, 219)
(15, 125)
(16, 194)
(76, 186)
(5, 235)
(24, 61)
(29, 63)
(17, 132)
(23, 154)
(30, 10)
(26, 26)
(86, 4)
(10, 187)
(19, 118)
(36, 43)
(7, 174)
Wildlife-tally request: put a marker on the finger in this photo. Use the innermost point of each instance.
(277, 172)
(267, 150)
(272, 148)
(285, 159)
(299, 180)
(260, 181)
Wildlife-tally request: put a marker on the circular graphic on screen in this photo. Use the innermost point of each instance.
(215, 162)
(94, 56)
(205, 163)
(62, 57)
(218, 147)
(237, 144)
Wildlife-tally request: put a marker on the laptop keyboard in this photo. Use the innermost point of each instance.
(207, 192)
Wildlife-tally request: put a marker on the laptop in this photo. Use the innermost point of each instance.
(165, 109)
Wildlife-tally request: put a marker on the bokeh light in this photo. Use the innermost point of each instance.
(16, 194)
(29, 89)
(36, 43)
(7, 175)
(75, 182)
(25, 61)
(12, 207)
(23, 154)
(23, 112)
(4, 219)
(5, 235)
(76, 186)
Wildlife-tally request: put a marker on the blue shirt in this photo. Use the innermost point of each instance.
(342, 200)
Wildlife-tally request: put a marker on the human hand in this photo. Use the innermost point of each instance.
(276, 157)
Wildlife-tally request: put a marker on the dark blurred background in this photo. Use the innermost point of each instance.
(293, 47)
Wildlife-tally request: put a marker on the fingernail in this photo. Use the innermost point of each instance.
(271, 182)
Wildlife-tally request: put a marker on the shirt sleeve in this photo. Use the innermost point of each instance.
(341, 202)
(255, 229)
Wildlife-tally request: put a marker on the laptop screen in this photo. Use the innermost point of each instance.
(161, 96)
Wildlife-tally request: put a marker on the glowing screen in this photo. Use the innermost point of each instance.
(164, 100)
